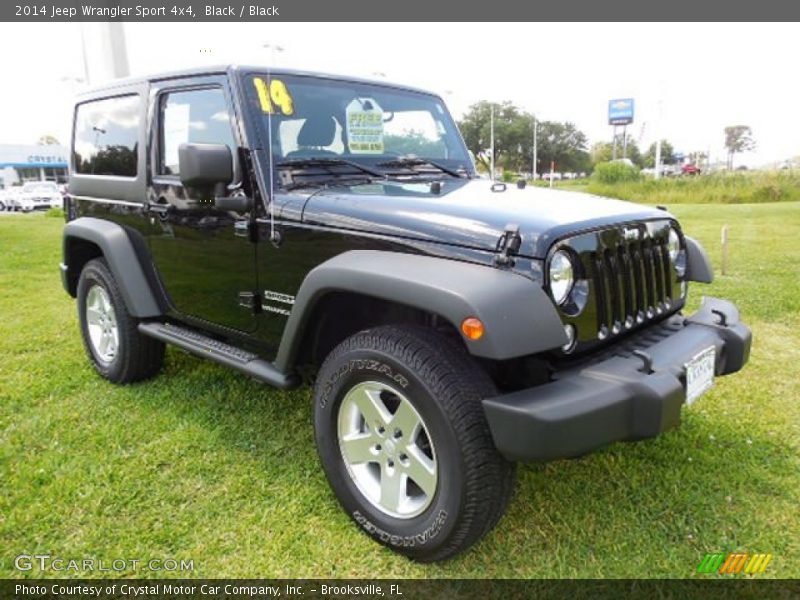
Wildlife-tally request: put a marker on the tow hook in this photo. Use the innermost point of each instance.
(647, 360)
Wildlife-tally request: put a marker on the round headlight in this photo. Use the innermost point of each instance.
(673, 244)
(561, 276)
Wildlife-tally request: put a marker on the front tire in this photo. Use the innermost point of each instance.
(111, 336)
(404, 442)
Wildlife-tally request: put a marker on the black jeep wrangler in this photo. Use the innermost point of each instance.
(300, 227)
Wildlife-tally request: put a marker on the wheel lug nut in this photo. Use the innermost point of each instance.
(378, 447)
(390, 463)
(381, 429)
(398, 434)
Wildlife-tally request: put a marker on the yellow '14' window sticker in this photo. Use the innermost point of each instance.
(276, 94)
(364, 126)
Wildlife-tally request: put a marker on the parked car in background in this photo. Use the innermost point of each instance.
(13, 200)
(665, 171)
(670, 170)
(42, 194)
(690, 169)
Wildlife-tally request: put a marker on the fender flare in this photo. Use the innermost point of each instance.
(698, 264)
(120, 254)
(519, 317)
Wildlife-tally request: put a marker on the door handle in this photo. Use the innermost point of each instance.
(241, 228)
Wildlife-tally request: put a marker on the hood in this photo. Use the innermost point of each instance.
(468, 213)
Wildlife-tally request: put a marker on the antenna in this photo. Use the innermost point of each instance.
(272, 234)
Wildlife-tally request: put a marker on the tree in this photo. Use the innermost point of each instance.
(667, 154)
(632, 151)
(562, 143)
(48, 140)
(604, 152)
(512, 132)
(414, 142)
(738, 138)
(601, 152)
(513, 139)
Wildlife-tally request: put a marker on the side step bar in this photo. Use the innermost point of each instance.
(225, 354)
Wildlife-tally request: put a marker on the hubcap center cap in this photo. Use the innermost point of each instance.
(390, 447)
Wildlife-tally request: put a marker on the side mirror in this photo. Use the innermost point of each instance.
(205, 164)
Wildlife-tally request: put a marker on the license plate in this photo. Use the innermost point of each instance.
(700, 374)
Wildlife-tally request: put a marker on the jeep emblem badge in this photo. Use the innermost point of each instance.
(630, 233)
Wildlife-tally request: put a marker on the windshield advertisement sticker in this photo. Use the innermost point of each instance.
(365, 126)
(278, 95)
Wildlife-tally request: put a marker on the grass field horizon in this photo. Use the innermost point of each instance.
(204, 464)
(739, 187)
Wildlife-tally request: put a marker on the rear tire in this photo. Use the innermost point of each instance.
(421, 396)
(111, 336)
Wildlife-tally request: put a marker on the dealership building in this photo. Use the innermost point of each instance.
(20, 164)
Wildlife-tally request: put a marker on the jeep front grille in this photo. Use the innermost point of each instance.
(632, 282)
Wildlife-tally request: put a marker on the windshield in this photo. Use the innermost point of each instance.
(40, 187)
(368, 124)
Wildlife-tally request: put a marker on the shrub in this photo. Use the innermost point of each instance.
(55, 212)
(615, 172)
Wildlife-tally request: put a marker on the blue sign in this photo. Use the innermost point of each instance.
(620, 111)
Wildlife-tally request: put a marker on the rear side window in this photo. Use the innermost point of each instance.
(106, 137)
(192, 117)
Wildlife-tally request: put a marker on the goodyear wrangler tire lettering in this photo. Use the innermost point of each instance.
(356, 365)
(402, 541)
(418, 377)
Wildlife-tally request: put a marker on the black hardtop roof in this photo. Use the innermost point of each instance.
(110, 86)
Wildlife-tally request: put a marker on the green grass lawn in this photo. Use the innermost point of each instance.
(204, 464)
(719, 188)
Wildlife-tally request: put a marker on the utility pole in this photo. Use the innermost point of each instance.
(657, 128)
(624, 141)
(658, 158)
(533, 160)
(491, 143)
(104, 51)
(614, 147)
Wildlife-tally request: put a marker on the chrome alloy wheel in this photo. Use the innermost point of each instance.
(101, 321)
(387, 449)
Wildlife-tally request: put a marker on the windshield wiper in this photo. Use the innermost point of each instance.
(329, 162)
(409, 162)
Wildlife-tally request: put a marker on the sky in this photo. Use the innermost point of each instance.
(704, 76)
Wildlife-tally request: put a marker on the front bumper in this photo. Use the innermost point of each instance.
(633, 391)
